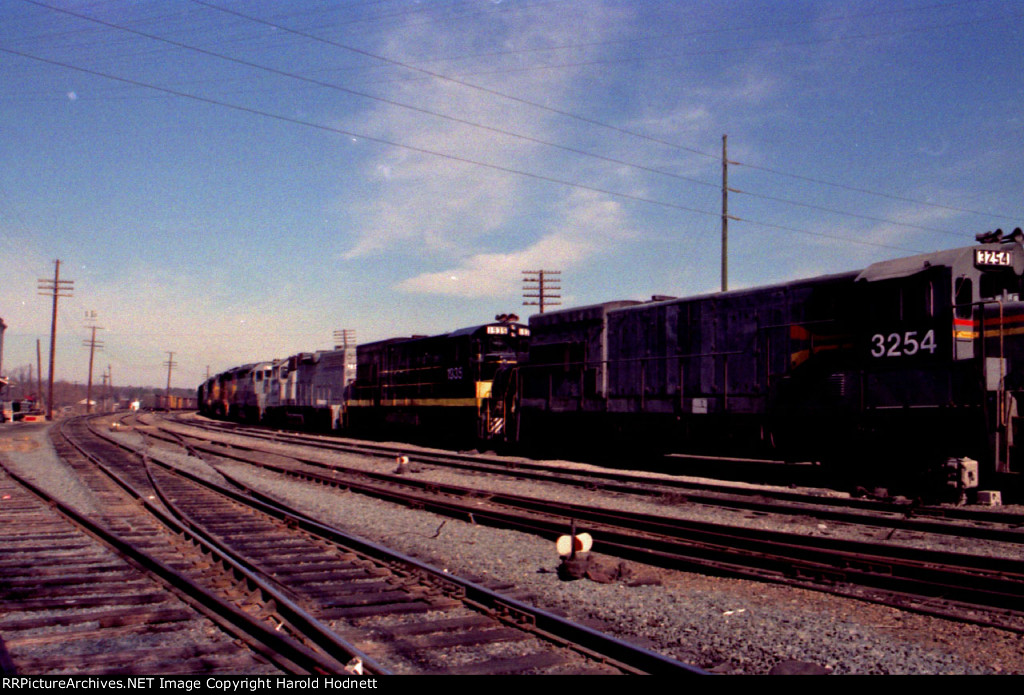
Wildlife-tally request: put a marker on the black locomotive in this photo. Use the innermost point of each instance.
(443, 384)
(908, 362)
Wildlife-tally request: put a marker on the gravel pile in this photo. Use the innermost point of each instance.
(724, 625)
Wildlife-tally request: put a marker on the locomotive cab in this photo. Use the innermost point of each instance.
(996, 344)
(941, 355)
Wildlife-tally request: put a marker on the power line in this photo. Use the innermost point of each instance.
(582, 119)
(412, 148)
(675, 36)
(612, 160)
(745, 48)
(455, 119)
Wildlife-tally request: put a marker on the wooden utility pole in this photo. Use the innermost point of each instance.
(58, 288)
(3, 327)
(725, 215)
(93, 345)
(171, 364)
(343, 338)
(39, 375)
(541, 282)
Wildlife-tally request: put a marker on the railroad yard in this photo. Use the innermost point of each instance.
(510, 339)
(691, 603)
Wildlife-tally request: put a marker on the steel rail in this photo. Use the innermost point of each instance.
(337, 651)
(272, 644)
(907, 515)
(662, 525)
(600, 646)
(527, 617)
(720, 547)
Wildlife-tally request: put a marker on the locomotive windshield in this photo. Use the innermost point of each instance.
(503, 343)
(500, 346)
(1000, 284)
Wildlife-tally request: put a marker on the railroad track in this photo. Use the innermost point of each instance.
(907, 515)
(939, 583)
(75, 599)
(399, 614)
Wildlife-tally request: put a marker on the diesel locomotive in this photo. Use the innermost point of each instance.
(906, 364)
(438, 383)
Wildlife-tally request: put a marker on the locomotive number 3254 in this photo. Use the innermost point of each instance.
(902, 344)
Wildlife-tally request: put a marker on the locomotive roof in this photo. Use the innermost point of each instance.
(468, 330)
(834, 277)
(580, 313)
(883, 270)
(912, 265)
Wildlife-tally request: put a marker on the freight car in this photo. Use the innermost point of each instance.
(915, 360)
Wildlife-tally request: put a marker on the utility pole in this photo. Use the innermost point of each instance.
(93, 345)
(725, 213)
(39, 376)
(344, 338)
(58, 288)
(170, 364)
(541, 282)
(3, 327)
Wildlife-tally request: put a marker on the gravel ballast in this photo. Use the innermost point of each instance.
(721, 624)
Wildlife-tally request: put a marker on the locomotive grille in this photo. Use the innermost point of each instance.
(837, 385)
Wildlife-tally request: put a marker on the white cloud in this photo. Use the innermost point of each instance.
(590, 225)
(443, 205)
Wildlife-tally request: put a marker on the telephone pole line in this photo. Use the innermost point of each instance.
(39, 375)
(725, 213)
(170, 364)
(58, 288)
(343, 338)
(541, 282)
(725, 216)
(93, 345)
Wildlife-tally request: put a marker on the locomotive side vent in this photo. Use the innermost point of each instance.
(837, 385)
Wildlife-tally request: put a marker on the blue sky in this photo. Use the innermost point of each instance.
(234, 181)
